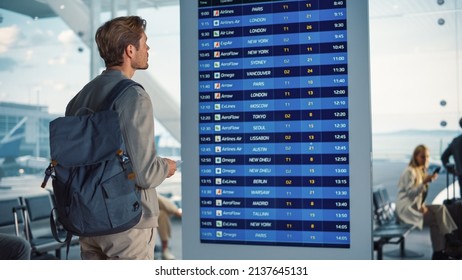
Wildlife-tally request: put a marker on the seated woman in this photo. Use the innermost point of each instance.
(411, 209)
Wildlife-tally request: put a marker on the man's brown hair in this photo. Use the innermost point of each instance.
(115, 35)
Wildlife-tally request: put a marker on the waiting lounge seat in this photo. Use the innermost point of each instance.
(8, 223)
(38, 209)
(387, 228)
(41, 237)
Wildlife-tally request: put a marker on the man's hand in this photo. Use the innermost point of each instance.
(171, 167)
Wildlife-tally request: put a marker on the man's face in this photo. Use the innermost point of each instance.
(140, 60)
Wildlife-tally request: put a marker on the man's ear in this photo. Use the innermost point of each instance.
(129, 50)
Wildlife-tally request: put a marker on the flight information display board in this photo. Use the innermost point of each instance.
(274, 123)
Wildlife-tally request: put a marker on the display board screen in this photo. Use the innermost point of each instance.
(274, 149)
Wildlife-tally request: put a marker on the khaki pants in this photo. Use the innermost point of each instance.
(133, 244)
(166, 208)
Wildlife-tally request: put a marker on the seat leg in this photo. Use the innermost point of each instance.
(58, 253)
(379, 247)
(402, 248)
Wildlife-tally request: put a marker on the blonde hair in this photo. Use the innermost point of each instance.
(418, 150)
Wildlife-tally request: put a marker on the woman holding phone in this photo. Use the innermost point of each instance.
(411, 209)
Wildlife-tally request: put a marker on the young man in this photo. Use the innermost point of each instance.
(122, 45)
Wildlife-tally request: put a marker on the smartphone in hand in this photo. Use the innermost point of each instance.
(437, 170)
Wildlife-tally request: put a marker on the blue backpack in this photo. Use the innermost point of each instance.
(93, 181)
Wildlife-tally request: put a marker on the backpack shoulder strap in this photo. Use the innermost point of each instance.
(116, 92)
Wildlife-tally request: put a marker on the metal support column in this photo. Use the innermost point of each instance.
(96, 63)
(132, 7)
(114, 8)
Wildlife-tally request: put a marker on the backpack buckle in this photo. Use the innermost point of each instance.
(123, 158)
(48, 173)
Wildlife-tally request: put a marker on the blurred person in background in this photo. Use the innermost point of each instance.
(167, 209)
(411, 209)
